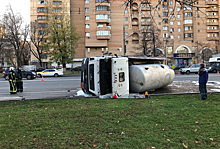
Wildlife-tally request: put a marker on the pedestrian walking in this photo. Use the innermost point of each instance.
(12, 81)
(203, 79)
(19, 81)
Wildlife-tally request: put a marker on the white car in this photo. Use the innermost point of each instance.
(50, 72)
(191, 69)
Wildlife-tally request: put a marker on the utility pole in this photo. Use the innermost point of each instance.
(124, 45)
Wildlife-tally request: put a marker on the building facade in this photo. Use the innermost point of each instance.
(187, 34)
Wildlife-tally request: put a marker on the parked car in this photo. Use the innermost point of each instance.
(179, 66)
(214, 67)
(50, 72)
(78, 68)
(25, 74)
(191, 69)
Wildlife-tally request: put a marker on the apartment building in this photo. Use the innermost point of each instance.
(41, 11)
(188, 34)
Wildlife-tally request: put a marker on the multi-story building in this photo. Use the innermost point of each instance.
(188, 34)
(41, 13)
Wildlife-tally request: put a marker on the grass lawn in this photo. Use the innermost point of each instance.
(174, 121)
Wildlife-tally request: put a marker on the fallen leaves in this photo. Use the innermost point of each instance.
(211, 139)
(195, 130)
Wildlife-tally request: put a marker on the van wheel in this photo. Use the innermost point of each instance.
(214, 70)
(55, 75)
(187, 72)
(28, 77)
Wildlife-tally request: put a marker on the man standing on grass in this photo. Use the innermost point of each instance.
(203, 79)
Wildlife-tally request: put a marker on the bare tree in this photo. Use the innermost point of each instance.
(150, 40)
(38, 40)
(15, 34)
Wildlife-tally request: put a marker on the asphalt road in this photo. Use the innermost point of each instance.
(51, 87)
(66, 87)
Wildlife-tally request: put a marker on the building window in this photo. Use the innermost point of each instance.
(126, 34)
(165, 28)
(57, 2)
(100, 25)
(126, 11)
(41, 17)
(165, 21)
(178, 16)
(165, 35)
(198, 31)
(103, 33)
(42, 25)
(159, 23)
(87, 26)
(87, 17)
(42, 2)
(57, 17)
(87, 9)
(102, 8)
(171, 2)
(88, 34)
(57, 10)
(126, 26)
(101, 16)
(126, 18)
(178, 9)
(171, 22)
(208, 35)
(179, 23)
(198, 23)
(165, 14)
(179, 29)
(188, 14)
(101, 1)
(171, 9)
(188, 35)
(87, 1)
(41, 9)
(172, 37)
(172, 30)
(126, 42)
(187, 21)
(179, 36)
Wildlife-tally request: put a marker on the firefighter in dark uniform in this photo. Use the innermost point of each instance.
(12, 81)
(19, 81)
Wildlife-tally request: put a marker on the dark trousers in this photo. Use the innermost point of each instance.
(203, 90)
(12, 87)
(19, 85)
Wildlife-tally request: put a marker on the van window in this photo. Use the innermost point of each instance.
(91, 77)
(121, 77)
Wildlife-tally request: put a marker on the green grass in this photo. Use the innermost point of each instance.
(174, 121)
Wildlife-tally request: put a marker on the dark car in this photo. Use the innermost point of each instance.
(214, 67)
(78, 68)
(25, 74)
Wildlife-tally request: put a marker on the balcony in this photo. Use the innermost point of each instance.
(145, 16)
(145, 23)
(212, 38)
(212, 30)
(103, 20)
(134, 23)
(212, 9)
(102, 12)
(188, 39)
(102, 3)
(103, 37)
(212, 23)
(145, 8)
(212, 16)
(212, 2)
(183, 55)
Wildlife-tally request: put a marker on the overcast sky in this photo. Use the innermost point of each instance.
(22, 6)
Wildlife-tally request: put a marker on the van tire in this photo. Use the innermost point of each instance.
(214, 70)
(56, 75)
(187, 72)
